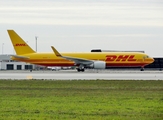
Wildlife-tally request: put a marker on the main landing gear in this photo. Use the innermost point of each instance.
(80, 68)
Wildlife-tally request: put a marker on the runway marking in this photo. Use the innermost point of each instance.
(29, 77)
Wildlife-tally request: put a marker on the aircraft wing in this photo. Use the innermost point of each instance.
(76, 60)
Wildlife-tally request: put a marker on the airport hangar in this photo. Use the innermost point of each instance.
(7, 64)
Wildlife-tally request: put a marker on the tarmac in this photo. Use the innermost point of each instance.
(87, 75)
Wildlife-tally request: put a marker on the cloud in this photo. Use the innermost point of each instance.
(105, 24)
(78, 13)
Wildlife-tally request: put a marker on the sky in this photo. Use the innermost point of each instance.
(82, 25)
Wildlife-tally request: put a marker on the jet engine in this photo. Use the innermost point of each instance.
(98, 65)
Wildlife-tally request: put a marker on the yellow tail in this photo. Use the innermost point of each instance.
(20, 46)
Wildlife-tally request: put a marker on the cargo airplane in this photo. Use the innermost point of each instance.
(96, 60)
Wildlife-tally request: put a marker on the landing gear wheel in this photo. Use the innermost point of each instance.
(82, 70)
(78, 70)
(142, 69)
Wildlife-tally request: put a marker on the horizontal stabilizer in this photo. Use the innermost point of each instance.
(18, 56)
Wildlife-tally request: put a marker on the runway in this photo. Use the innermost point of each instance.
(88, 75)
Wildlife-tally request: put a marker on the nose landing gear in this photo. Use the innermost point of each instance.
(142, 69)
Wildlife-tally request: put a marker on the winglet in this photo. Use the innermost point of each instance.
(56, 52)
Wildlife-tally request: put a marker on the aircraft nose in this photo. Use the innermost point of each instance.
(152, 60)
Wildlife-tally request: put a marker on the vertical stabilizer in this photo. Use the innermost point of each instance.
(20, 46)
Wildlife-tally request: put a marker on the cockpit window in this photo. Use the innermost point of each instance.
(146, 57)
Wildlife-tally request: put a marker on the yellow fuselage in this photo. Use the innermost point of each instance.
(116, 59)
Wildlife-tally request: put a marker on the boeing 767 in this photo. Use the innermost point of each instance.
(96, 60)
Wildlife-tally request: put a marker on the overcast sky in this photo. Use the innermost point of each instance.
(82, 25)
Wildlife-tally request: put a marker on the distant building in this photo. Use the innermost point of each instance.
(99, 50)
(7, 64)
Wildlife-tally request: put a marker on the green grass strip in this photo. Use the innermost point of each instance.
(81, 99)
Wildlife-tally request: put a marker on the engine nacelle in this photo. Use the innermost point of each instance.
(98, 65)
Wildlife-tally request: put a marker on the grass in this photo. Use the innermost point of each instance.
(83, 99)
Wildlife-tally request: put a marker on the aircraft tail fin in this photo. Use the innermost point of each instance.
(20, 46)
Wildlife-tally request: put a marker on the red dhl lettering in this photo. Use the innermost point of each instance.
(120, 58)
(20, 44)
(110, 57)
(131, 58)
